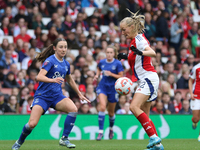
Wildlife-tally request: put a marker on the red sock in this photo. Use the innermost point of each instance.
(153, 127)
(144, 120)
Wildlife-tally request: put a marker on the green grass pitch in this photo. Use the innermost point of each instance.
(169, 144)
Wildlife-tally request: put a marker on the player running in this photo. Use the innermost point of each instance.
(49, 92)
(140, 62)
(194, 88)
(112, 70)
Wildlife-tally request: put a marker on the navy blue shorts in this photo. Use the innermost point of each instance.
(109, 91)
(46, 103)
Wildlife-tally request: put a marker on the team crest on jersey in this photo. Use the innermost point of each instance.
(113, 67)
(66, 68)
(55, 66)
(46, 62)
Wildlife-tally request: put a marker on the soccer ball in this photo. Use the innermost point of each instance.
(123, 86)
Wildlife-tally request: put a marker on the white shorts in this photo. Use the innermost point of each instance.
(149, 86)
(195, 104)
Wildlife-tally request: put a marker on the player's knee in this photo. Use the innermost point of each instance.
(111, 114)
(102, 108)
(133, 108)
(195, 119)
(75, 109)
(32, 124)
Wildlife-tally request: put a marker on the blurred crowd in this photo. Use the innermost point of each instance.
(170, 29)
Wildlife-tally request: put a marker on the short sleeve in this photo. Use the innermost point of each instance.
(193, 73)
(47, 65)
(99, 65)
(120, 67)
(142, 44)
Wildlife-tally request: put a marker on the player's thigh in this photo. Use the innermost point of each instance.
(36, 113)
(146, 108)
(111, 108)
(139, 99)
(102, 100)
(66, 105)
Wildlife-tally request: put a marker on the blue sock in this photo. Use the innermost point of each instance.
(112, 121)
(25, 132)
(101, 120)
(69, 123)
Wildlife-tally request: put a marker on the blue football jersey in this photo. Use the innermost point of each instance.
(115, 67)
(55, 68)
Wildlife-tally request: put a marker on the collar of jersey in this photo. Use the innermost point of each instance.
(111, 61)
(57, 58)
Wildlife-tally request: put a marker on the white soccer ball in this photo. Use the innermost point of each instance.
(123, 86)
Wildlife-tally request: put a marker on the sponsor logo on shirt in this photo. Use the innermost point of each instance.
(57, 74)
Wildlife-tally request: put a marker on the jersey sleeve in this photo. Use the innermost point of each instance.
(193, 73)
(47, 65)
(142, 44)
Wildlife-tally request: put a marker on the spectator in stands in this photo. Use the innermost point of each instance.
(5, 26)
(168, 105)
(92, 34)
(60, 28)
(158, 109)
(43, 9)
(10, 81)
(30, 84)
(68, 25)
(182, 83)
(169, 69)
(80, 20)
(72, 43)
(52, 35)
(195, 41)
(161, 23)
(8, 13)
(21, 79)
(21, 14)
(177, 101)
(23, 35)
(26, 62)
(91, 95)
(190, 61)
(12, 103)
(72, 10)
(32, 75)
(33, 44)
(24, 51)
(18, 26)
(176, 33)
(120, 104)
(81, 40)
(184, 67)
(54, 16)
(25, 109)
(183, 56)
(92, 64)
(4, 46)
(173, 59)
(14, 69)
(15, 55)
(193, 30)
(23, 95)
(88, 3)
(110, 17)
(85, 109)
(109, 6)
(94, 22)
(61, 11)
(112, 29)
(125, 109)
(37, 21)
(186, 108)
(150, 28)
(4, 108)
(171, 81)
(102, 38)
(77, 77)
(6, 60)
(186, 44)
(52, 6)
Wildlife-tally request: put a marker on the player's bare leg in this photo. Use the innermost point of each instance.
(195, 118)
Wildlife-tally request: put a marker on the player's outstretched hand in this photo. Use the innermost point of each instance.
(83, 99)
(135, 50)
(122, 56)
(58, 80)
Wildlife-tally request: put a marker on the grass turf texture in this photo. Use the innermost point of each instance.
(169, 144)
